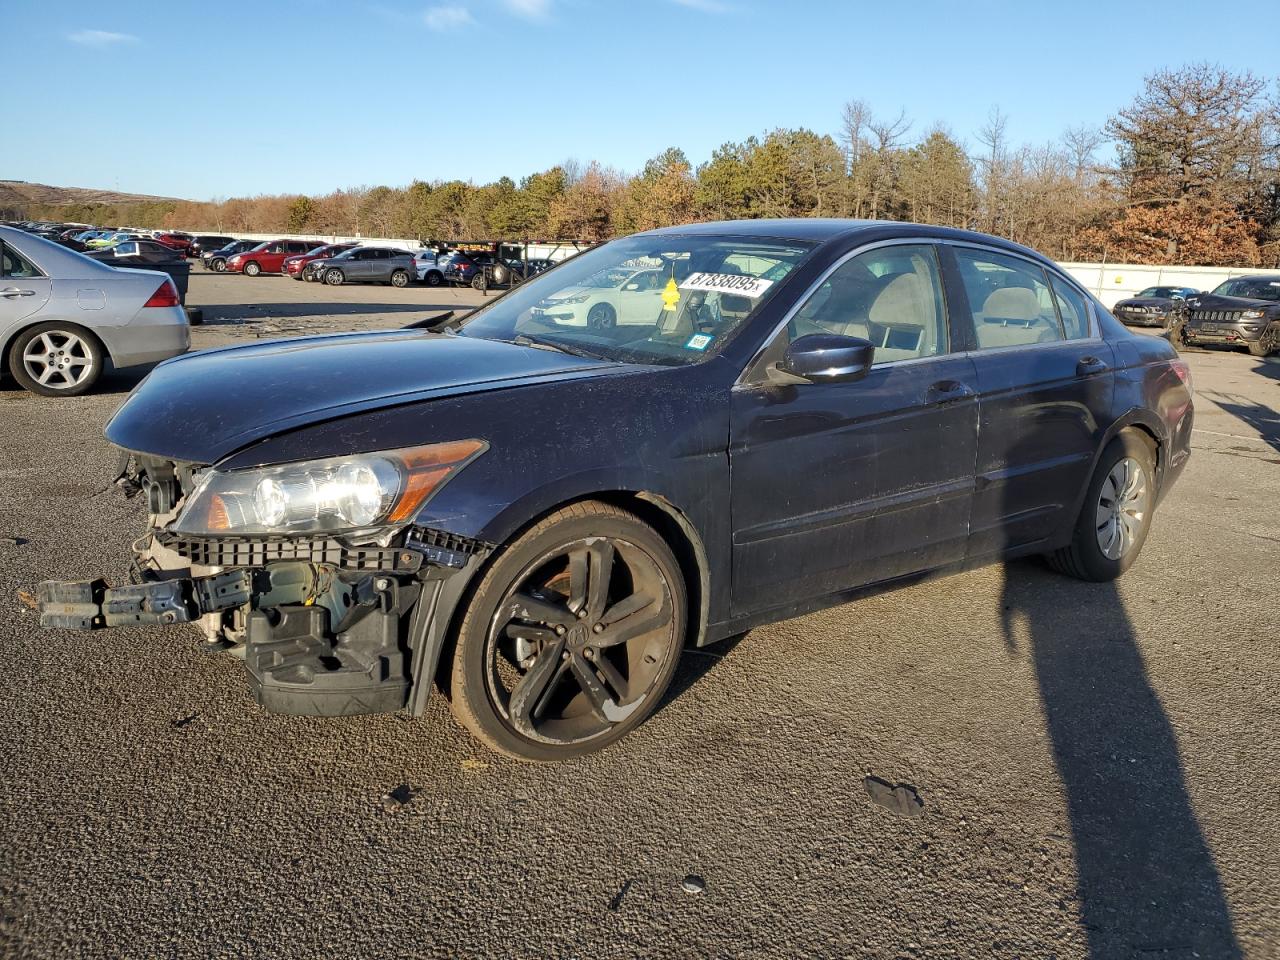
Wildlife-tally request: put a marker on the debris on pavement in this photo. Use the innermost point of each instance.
(28, 598)
(616, 902)
(901, 798)
(398, 798)
(693, 884)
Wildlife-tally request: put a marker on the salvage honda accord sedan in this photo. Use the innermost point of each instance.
(536, 516)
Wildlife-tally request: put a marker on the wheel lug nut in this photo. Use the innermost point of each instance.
(598, 628)
(565, 655)
(589, 653)
(582, 614)
(560, 630)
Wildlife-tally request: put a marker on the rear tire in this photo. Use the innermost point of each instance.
(565, 590)
(399, 279)
(433, 278)
(1116, 515)
(218, 265)
(56, 359)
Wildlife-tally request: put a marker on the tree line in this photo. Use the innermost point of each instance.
(1193, 178)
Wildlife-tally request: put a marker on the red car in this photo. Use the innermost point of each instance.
(268, 257)
(296, 266)
(175, 241)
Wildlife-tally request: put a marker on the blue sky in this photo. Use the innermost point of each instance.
(217, 99)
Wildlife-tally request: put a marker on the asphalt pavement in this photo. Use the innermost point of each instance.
(1084, 770)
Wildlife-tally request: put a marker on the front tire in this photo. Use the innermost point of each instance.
(1116, 515)
(602, 316)
(572, 636)
(1266, 344)
(56, 359)
(334, 277)
(433, 278)
(252, 269)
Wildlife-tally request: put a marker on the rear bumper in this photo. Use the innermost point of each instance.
(155, 334)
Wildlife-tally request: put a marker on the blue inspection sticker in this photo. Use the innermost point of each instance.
(699, 341)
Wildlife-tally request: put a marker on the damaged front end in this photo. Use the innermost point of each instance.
(314, 574)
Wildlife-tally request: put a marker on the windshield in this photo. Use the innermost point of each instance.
(1251, 288)
(1167, 292)
(668, 299)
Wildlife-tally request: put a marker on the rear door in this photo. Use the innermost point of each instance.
(24, 289)
(1045, 382)
(836, 485)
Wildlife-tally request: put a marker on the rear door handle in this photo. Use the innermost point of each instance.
(1090, 365)
(12, 292)
(948, 391)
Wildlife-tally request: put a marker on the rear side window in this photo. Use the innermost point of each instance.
(1072, 308)
(1010, 299)
(14, 264)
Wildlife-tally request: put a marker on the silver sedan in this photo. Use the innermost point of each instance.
(63, 316)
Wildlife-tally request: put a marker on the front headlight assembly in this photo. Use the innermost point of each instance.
(1253, 314)
(348, 495)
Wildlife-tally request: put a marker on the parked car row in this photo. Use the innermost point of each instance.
(1240, 312)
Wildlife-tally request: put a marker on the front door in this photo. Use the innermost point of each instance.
(837, 485)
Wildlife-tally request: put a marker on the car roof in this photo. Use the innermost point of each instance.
(824, 229)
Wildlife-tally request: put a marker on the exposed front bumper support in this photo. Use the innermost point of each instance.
(92, 605)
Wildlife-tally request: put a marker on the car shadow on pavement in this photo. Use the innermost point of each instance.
(1146, 879)
(1262, 418)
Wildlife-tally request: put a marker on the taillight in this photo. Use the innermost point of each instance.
(166, 295)
(1183, 370)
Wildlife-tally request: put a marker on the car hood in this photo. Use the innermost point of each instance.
(204, 406)
(1213, 301)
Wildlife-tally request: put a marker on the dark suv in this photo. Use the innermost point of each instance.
(1242, 312)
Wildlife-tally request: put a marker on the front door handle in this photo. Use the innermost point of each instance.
(1090, 365)
(948, 391)
(12, 292)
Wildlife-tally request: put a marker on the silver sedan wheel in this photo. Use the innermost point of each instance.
(1122, 509)
(58, 359)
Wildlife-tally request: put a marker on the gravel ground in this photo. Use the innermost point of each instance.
(1098, 764)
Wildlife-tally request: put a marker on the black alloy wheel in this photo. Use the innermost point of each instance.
(572, 637)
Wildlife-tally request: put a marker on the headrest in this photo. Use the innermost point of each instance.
(1012, 303)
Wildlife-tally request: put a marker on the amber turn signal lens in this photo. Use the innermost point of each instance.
(428, 467)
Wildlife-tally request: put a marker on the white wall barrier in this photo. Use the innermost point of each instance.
(1110, 282)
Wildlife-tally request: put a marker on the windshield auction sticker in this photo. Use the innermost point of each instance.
(735, 283)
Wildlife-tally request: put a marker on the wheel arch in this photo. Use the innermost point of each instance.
(667, 519)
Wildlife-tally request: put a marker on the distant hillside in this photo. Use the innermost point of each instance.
(19, 193)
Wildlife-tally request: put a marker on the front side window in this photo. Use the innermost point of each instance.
(891, 296)
(701, 291)
(1010, 299)
(1072, 308)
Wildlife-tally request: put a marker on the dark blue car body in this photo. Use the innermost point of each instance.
(776, 498)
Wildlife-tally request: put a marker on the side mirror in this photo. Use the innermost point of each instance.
(828, 358)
